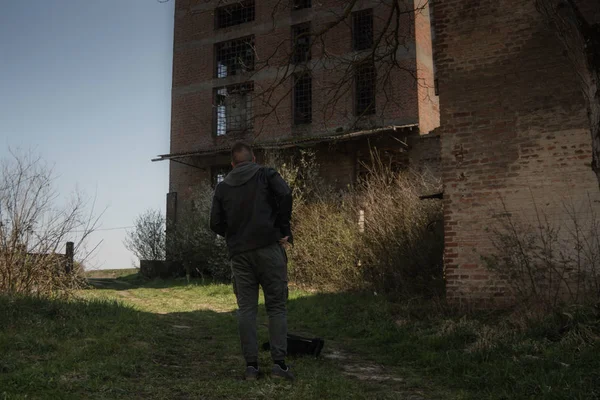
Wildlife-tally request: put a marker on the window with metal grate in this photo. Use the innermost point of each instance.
(233, 109)
(301, 43)
(302, 99)
(218, 173)
(364, 92)
(362, 29)
(234, 57)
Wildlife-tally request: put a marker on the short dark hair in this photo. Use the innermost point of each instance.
(241, 152)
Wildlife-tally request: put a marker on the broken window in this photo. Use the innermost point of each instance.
(365, 89)
(234, 14)
(302, 99)
(234, 57)
(300, 43)
(300, 4)
(362, 29)
(233, 105)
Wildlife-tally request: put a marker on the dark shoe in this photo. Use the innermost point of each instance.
(278, 372)
(251, 373)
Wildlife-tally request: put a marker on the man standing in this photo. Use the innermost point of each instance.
(252, 208)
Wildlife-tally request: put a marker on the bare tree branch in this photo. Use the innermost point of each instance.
(34, 227)
(274, 71)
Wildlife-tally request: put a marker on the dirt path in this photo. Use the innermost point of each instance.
(356, 367)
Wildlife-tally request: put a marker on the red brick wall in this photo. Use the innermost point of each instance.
(342, 163)
(193, 70)
(513, 129)
(425, 155)
(400, 100)
(429, 102)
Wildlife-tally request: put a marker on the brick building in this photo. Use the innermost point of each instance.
(513, 129)
(263, 71)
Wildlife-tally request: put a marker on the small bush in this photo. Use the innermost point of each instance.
(402, 245)
(34, 227)
(325, 251)
(545, 263)
(147, 239)
(326, 237)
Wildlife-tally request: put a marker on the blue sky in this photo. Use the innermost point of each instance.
(86, 84)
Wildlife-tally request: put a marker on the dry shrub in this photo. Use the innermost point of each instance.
(326, 238)
(402, 246)
(299, 168)
(24, 272)
(35, 226)
(325, 251)
(548, 264)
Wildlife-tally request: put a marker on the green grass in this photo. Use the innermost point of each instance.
(130, 339)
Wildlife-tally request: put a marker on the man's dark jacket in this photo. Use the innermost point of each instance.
(251, 208)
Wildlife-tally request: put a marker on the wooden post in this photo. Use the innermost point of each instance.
(170, 223)
(70, 252)
(361, 229)
(361, 221)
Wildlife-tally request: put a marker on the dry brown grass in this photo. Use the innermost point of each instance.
(402, 244)
(401, 247)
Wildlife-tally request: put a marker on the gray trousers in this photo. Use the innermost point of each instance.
(266, 267)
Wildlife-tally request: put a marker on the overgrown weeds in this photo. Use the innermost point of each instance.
(325, 255)
(376, 236)
(326, 234)
(402, 245)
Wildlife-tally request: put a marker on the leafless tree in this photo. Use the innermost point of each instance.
(392, 30)
(147, 239)
(35, 224)
(581, 41)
